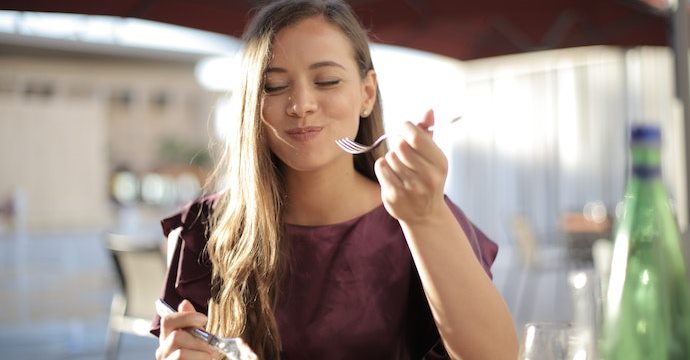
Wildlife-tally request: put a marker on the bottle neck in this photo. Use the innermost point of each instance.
(646, 160)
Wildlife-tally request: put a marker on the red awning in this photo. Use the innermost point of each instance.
(461, 29)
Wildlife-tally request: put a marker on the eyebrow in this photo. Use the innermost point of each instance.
(313, 66)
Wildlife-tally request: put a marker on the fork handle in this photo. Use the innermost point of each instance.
(444, 124)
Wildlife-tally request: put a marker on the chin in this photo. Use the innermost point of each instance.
(307, 163)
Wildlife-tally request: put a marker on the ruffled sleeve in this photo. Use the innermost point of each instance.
(189, 274)
(485, 249)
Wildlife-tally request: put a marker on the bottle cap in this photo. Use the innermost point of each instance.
(645, 133)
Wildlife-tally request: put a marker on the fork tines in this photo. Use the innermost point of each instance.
(351, 146)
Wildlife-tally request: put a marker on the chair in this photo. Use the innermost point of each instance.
(140, 267)
(536, 259)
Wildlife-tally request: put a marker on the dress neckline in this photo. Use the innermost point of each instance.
(345, 223)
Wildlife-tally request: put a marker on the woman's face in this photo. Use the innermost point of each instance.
(313, 94)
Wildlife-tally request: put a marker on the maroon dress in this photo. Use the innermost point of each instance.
(352, 291)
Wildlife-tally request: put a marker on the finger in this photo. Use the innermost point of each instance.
(428, 121)
(400, 168)
(387, 178)
(408, 178)
(177, 341)
(182, 339)
(186, 354)
(429, 174)
(163, 352)
(410, 157)
(412, 180)
(186, 306)
(181, 320)
(186, 318)
(422, 143)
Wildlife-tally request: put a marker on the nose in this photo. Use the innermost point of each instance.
(301, 101)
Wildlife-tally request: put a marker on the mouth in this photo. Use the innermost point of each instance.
(304, 133)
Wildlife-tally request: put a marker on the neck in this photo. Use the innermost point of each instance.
(329, 196)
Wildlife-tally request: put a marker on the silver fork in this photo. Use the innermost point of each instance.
(233, 348)
(350, 146)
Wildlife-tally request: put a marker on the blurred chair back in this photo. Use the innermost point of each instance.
(140, 266)
(525, 239)
(538, 261)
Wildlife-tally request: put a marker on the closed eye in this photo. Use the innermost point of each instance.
(273, 89)
(328, 83)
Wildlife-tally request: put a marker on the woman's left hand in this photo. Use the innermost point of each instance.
(413, 173)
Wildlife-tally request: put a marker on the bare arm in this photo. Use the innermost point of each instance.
(470, 313)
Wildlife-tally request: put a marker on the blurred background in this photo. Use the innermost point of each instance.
(107, 110)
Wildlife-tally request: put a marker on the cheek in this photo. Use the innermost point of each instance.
(271, 135)
(269, 108)
(340, 105)
(269, 118)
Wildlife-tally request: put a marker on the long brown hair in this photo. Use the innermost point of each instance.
(246, 246)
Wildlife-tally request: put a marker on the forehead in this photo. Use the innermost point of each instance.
(311, 40)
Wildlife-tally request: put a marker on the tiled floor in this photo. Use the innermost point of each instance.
(56, 290)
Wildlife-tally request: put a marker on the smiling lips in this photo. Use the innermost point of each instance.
(304, 133)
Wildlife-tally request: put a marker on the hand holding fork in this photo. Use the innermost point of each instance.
(412, 175)
(232, 348)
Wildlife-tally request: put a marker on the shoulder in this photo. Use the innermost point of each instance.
(189, 270)
(192, 221)
(191, 215)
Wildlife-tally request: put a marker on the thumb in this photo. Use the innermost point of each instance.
(186, 306)
(428, 120)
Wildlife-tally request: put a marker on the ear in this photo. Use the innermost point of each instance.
(369, 86)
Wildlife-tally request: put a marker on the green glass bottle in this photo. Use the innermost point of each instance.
(647, 307)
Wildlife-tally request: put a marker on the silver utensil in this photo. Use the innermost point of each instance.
(350, 146)
(233, 348)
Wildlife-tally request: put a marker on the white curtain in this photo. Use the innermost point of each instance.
(546, 132)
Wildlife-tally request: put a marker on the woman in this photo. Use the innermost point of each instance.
(313, 253)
